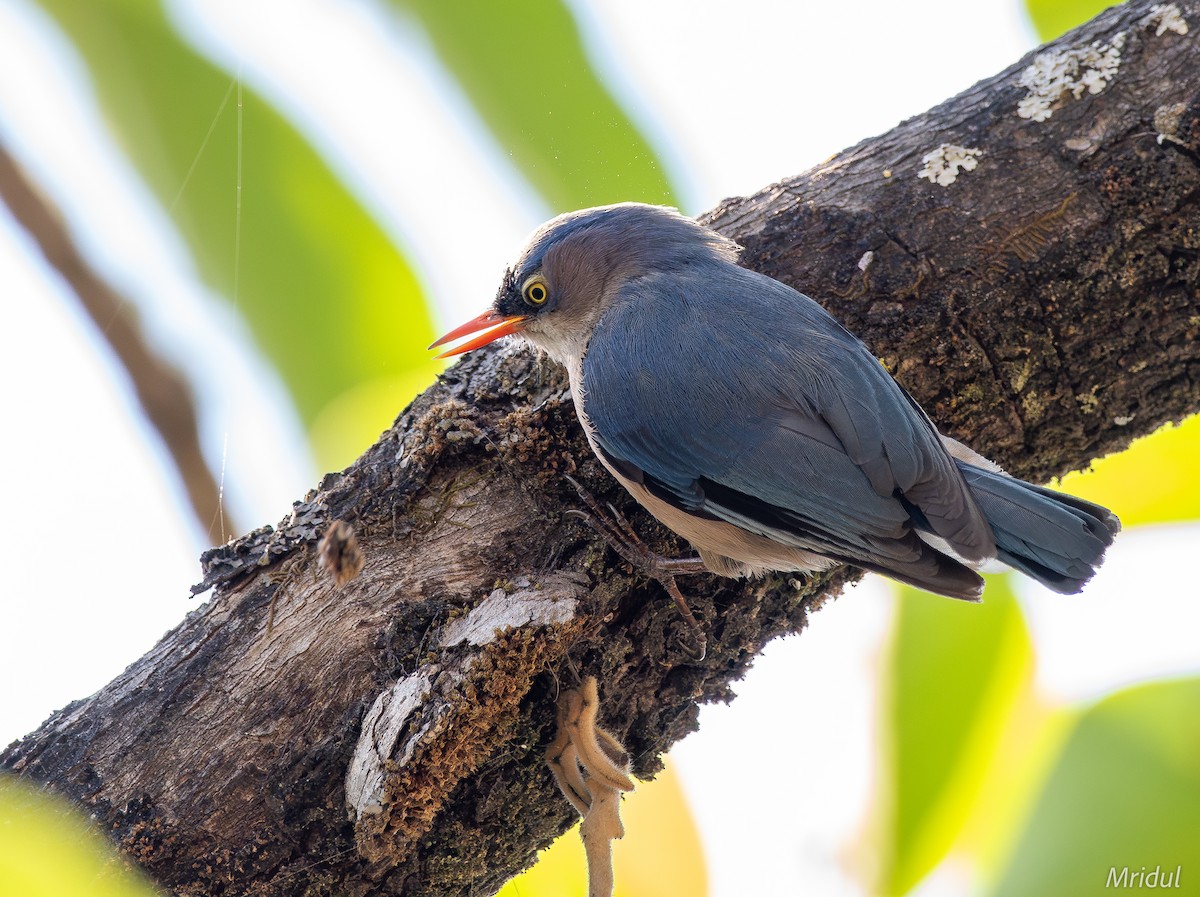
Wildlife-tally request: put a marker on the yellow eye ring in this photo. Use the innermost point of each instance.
(535, 291)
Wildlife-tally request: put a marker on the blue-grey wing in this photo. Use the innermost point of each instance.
(736, 397)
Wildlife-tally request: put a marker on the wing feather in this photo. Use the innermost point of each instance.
(734, 396)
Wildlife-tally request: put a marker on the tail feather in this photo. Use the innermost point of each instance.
(1057, 539)
(932, 571)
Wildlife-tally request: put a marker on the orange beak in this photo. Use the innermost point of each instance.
(500, 325)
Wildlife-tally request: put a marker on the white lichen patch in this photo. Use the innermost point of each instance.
(1088, 403)
(1059, 72)
(553, 603)
(943, 164)
(1164, 17)
(1167, 120)
(377, 742)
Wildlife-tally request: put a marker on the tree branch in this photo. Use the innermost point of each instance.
(387, 736)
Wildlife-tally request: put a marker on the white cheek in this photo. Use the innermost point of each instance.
(553, 342)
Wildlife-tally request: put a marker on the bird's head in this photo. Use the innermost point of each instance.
(574, 267)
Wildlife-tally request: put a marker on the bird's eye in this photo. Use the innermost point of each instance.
(535, 292)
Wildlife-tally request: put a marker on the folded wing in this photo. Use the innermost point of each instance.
(737, 398)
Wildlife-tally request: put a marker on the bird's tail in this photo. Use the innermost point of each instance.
(1057, 539)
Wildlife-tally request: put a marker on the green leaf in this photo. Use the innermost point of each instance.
(661, 844)
(47, 849)
(523, 65)
(1053, 18)
(954, 675)
(329, 299)
(1124, 793)
(1152, 481)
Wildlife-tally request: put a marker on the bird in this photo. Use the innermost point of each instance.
(745, 418)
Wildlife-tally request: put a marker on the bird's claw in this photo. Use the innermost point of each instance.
(624, 540)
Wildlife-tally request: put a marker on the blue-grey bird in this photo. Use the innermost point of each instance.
(746, 419)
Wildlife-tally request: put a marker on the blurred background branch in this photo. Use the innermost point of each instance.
(162, 391)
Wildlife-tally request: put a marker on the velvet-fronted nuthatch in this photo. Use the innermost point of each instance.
(746, 419)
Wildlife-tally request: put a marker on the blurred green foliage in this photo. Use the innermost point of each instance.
(661, 844)
(1125, 792)
(1053, 18)
(1153, 481)
(524, 66)
(954, 672)
(330, 301)
(49, 849)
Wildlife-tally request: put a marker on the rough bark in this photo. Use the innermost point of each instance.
(385, 737)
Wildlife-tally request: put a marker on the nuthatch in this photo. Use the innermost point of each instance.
(744, 417)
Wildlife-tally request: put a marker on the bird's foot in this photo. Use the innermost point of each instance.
(591, 769)
(621, 537)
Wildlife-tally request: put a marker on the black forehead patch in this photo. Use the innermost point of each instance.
(508, 284)
(507, 301)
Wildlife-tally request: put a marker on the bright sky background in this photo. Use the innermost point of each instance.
(100, 551)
